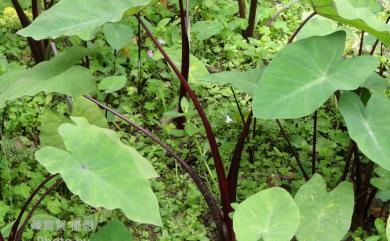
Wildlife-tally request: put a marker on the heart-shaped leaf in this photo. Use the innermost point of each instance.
(369, 125)
(79, 17)
(359, 14)
(117, 35)
(305, 74)
(324, 216)
(103, 171)
(58, 75)
(244, 81)
(113, 231)
(269, 215)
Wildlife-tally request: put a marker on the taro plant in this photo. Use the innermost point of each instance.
(304, 75)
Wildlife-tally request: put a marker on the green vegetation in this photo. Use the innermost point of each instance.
(217, 120)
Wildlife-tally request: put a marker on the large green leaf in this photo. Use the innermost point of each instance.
(79, 17)
(305, 74)
(324, 216)
(58, 75)
(269, 215)
(369, 125)
(113, 231)
(103, 171)
(359, 14)
(244, 81)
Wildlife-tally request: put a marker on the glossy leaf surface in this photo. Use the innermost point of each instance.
(359, 14)
(369, 125)
(305, 74)
(324, 216)
(269, 215)
(79, 17)
(103, 171)
(59, 75)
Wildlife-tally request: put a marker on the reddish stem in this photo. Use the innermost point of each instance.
(222, 180)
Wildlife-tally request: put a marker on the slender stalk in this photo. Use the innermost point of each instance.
(300, 27)
(238, 106)
(209, 198)
(287, 6)
(35, 206)
(250, 151)
(241, 8)
(222, 181)
(314, 146)
(1, 237)
(236, 159)
(24, 208)
(377, 41)
(251, 20)
(185, 59)
(292, 150)
(360, 192)
(361, 43)
(370, 198)
(348, 158)
(253, 148)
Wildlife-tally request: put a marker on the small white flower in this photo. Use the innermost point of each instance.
(228, 119)
(161, 41)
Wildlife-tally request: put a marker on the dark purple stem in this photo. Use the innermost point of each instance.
(314, 146)
(292, 150)
(222, 180)
(300, 27)
(377, 41)
(185, 59)
(24, 208)
(25, 21)
(241, 8)
(36, 205)
(251, 20)
(348, 158)
(361, 43)
(236, 159)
